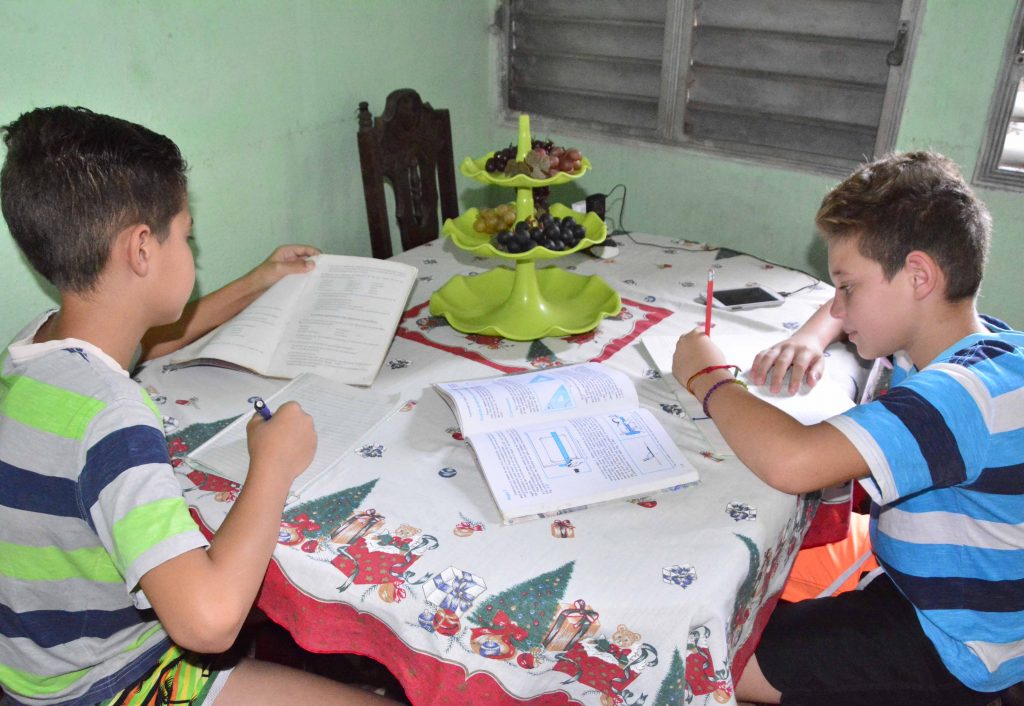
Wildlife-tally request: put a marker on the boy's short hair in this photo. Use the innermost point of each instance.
(912, 201)
(73, 179)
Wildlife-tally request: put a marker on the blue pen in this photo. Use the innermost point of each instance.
(260, 406)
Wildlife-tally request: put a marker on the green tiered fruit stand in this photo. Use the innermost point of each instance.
(523, 304)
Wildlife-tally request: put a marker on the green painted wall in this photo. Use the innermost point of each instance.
(261, 97)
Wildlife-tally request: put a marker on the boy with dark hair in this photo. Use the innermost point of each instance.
(108, 591)
(941, 454)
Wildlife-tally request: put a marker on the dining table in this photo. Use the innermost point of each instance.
(398, 553)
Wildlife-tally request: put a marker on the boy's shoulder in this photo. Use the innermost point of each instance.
(69, 379)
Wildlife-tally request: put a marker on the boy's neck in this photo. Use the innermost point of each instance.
(947, 324)
(112, 329)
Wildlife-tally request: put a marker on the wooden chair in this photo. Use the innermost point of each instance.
(410, 146)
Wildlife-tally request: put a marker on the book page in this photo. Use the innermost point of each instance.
(809, 405)
(345, 323)
(342, 415)
(337, 321)
(250, 337)
(495, 403)
(541, 469)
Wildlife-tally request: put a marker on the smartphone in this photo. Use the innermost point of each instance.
(743, 298)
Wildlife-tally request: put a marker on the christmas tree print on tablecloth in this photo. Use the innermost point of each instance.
(540, 356)
(328, 513)
(673, 688)
(180, 444)
(531, 605)
(192, 436)
(741, 607)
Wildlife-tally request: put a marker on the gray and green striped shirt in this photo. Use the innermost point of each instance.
(88, 504)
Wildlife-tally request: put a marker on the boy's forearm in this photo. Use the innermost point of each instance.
(204, 596)
(203, 315)
(785, 454)
(242, 547)
(822, 326)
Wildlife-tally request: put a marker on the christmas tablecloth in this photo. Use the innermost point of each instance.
(400, 555)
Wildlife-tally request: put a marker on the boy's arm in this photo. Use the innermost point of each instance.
(210, 311)
(804, 352)
(781, 451)
(203, 596)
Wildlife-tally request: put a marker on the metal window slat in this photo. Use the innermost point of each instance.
(848, 19)
(617, 112)
(560, 72)
(792, 55)
(783, 95)
(628, 40)
(811, 137)
(624, 10)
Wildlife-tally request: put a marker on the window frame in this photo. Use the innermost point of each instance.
(672, 102)
(1011, 73)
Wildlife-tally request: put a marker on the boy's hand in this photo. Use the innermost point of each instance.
(285, 260)
(284, 444)
(694, 351)
(801, 354)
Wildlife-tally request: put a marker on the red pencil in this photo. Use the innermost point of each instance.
(707, 311)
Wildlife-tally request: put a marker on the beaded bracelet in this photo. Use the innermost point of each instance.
(710, 369)
(714, 387)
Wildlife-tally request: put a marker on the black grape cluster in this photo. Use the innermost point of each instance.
(552, 233)
(496, 162)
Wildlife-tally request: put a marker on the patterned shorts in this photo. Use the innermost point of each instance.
(180, 678)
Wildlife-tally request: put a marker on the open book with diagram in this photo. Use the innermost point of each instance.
(563, 439)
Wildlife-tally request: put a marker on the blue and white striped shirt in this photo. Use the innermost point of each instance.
(945, 448)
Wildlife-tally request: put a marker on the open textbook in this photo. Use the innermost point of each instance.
(563, 439)
(809, 405)
(337, 321)
(342, 415)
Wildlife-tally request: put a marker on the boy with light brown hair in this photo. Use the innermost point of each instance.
(941, 454)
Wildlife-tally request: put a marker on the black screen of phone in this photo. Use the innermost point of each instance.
(743, 296)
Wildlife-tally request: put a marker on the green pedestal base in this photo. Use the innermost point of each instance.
(525, 304)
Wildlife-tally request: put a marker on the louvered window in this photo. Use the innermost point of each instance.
(1002, 159)
(812, 82)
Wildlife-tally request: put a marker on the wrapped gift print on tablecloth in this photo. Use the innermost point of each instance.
(563, 529)
(359, 525)
(454, 589)
(573, 623)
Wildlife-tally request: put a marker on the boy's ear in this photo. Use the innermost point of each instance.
(924, 274)
(137, 243)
